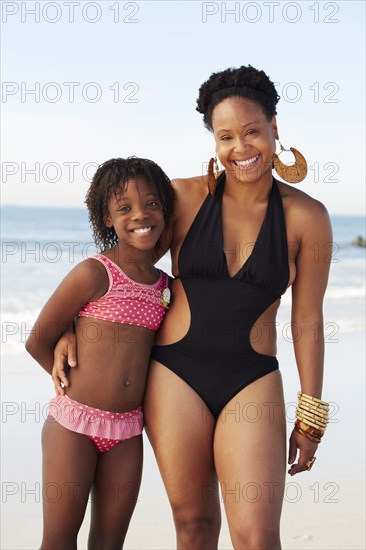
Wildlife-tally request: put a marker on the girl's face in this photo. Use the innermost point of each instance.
(136, 215)
(245, 138)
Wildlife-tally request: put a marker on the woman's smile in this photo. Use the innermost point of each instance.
(245, 138)
(247, 163)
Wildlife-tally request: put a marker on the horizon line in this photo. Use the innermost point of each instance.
(52, 207)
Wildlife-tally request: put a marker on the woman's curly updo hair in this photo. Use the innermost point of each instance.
(246, 82)
(111, 178)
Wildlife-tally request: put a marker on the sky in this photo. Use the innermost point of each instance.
(84, 81)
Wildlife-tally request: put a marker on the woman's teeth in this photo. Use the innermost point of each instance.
(246, 163)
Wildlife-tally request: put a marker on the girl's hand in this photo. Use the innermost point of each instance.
(64, 356)
(306, 457)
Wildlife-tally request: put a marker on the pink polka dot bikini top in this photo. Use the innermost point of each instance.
(127, 301)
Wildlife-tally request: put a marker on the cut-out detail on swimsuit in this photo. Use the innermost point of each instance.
(215, 357)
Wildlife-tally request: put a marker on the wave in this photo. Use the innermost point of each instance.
(345, 292)
(336, 293)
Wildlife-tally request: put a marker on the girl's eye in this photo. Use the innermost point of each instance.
(124, 208)
(153, 203)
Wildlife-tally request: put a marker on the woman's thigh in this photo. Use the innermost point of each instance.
(250, 457)
(180, 429)
(69, 461)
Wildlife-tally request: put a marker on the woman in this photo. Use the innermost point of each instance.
(214, 405)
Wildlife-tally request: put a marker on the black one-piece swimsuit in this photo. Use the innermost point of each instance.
(215, 357)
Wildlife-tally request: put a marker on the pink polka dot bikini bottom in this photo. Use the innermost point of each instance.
(106, 429)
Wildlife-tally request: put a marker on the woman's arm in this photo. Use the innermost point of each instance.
(312, 270)
(65, 355)
(166, 241)
(166, 238)
(84, 283)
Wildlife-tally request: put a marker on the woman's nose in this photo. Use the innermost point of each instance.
(240, 144)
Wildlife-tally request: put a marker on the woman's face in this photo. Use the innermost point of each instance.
(245, 138)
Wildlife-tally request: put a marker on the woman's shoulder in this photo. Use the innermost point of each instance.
(298, 204)
(306, 218)
(192, 187)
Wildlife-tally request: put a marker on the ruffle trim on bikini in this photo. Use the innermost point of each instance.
(90, 421)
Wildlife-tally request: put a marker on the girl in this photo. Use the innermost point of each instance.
(119, 299)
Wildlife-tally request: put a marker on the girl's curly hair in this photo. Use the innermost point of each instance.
(246, 82)
(111, 177)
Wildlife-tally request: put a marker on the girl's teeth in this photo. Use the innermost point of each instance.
(143, 230)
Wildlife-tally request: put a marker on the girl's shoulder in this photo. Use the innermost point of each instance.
(91, 274)
(92, 267)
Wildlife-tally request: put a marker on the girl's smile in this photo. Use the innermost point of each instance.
(136, 215)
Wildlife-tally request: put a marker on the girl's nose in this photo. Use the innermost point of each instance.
(139, 212)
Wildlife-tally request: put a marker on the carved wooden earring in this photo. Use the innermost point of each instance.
(212, 175)
(293, 173)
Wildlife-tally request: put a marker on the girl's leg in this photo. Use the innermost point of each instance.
(250, 457)
(114, 494)
(69, 461)
(180, 429)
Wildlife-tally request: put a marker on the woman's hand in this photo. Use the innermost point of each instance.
(307, 450)
(64, 356)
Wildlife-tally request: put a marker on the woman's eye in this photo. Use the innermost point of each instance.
(252, 132)
(225, 138)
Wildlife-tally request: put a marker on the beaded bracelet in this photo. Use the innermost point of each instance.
(312, 416)
(307, 435)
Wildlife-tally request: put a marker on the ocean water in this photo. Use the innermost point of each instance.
(41, 245)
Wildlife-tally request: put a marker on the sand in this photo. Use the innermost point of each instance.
(323, 509)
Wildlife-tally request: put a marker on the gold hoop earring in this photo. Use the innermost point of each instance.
(212, 175)
(295, 172)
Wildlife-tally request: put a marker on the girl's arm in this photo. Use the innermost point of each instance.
(312, 264)
(86, 282)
